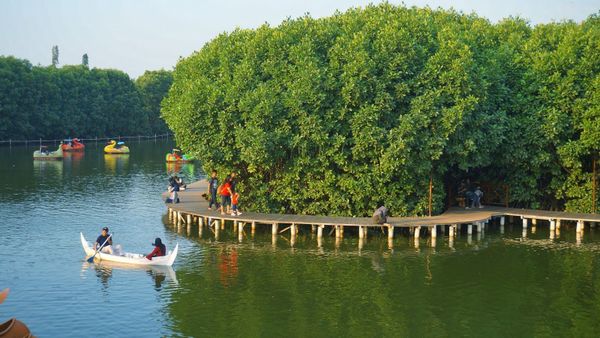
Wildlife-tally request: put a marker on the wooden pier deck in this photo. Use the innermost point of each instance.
(193, 208)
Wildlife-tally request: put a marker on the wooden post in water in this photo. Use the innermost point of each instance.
(469, 229)
(320, 231)
(430, 192)
(580, 226)
(433, 230)
(451, 231)
(417, 234)
(189, 219)
(552, 225)
(253, 228)
(390, 231)
(338, 233)
(360, 232)
(313, 228)
(274, 229)
(524, 223)
(594, 185)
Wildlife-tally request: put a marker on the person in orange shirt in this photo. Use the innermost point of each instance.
(234, 204)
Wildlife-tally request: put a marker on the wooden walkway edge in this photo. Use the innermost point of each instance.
(194, 208)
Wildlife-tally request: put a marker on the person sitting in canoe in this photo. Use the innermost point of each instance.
(159, 249)
(104, 237)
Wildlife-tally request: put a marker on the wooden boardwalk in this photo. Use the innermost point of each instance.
(193, 208)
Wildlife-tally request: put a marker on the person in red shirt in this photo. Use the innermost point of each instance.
(226, 195)
(159, 249)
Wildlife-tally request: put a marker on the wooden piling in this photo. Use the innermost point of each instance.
(433, 230)
(580, 226)
(552, 225)
(274, 229)
(524, 223)
(502, 220)
(470, 229)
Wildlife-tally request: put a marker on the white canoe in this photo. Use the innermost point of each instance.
(131, 258)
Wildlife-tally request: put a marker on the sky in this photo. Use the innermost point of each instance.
(139, 35)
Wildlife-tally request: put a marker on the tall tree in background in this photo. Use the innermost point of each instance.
(153, 87)
(85, 60)
(55, 56)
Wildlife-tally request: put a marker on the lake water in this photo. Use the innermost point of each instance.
(497, 285)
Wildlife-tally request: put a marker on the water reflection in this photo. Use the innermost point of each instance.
(116, 163)
(104, 272)
(183, 169)
(73, 158)
(47, 169)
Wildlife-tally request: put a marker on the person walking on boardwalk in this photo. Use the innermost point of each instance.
(159, 249)
(104, 237)
(213, 185)
(226, 195)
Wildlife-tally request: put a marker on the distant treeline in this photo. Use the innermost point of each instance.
(340, 115)
(75, 101)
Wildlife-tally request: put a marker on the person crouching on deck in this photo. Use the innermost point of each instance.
(159, 249)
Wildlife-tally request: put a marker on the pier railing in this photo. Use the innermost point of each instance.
(41, 141)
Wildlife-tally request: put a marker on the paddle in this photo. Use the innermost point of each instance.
(91, 259)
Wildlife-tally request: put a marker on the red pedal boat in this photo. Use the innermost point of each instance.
(73, 145)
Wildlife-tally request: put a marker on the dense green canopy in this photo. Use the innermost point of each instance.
(342, 114)
(74, 101)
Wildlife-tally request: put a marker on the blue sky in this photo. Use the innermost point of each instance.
(139, 35)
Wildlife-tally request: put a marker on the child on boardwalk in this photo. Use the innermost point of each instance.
(234, 204)
(213, 184)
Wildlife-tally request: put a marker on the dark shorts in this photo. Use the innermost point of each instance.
(225, 200)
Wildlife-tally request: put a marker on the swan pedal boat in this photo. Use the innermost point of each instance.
(131, 258)
(48, 155)
(115, 147)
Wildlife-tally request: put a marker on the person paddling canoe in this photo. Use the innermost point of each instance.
(159, 249)
(104, 237)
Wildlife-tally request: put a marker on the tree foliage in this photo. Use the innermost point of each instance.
(74, 101)
(342, 114)
(153, 86)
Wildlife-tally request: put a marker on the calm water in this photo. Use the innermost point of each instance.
(494, 286)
